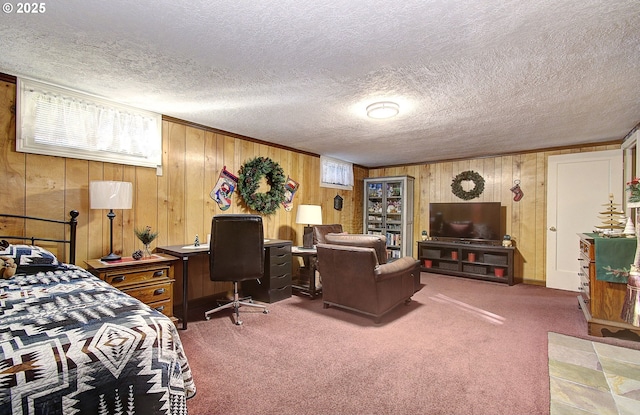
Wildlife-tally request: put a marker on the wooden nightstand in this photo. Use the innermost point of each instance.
(149, 280)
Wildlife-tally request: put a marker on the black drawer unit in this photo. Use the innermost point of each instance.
(275, 285)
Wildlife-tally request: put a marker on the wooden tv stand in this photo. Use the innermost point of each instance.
(470, 260)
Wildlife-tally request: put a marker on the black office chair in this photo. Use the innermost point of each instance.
(236, 254)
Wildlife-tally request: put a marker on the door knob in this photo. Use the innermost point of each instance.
(552, 229)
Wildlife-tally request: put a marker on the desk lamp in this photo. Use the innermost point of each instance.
(309, 215)
(110, 195)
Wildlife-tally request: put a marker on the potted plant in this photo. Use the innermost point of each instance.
(146, 236)
(634, 193)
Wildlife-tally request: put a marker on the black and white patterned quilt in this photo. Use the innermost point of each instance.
(72, 344)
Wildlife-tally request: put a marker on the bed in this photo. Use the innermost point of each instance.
(72, 344)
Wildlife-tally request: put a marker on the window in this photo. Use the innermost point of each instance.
(61, 122)
(336, 173)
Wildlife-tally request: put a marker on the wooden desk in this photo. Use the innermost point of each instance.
(187, 251)
(184, 252)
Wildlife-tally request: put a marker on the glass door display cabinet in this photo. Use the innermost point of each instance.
(388, 211)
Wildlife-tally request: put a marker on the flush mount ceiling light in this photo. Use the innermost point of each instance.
(384, 109)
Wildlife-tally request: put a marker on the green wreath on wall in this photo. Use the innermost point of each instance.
(469, 175)
(249, 180)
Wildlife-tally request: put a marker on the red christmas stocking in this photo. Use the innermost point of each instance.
(517, 191)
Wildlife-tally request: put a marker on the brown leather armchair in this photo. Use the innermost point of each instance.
(320, 231)
(354, 279)
(377, 242)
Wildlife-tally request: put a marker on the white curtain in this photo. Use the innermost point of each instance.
(336, 173)
(87, 127)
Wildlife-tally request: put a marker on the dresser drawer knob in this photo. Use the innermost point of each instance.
(159, 291)
(119, 278)
(160, 308)
(158, 273)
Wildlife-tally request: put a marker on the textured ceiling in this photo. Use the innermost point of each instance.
(472, 77)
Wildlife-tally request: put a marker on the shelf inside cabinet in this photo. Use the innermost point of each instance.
(388, 211)
(479, 261)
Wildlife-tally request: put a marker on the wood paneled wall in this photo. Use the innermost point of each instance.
(178, 206)
(525, 220)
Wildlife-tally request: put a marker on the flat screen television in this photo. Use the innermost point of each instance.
(466, 221)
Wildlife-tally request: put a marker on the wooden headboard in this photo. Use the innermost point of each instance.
(72, 222)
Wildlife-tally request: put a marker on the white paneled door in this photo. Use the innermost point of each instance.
(578, 185)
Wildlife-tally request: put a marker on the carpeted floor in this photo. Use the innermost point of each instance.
(592, 378)
(460, 347)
